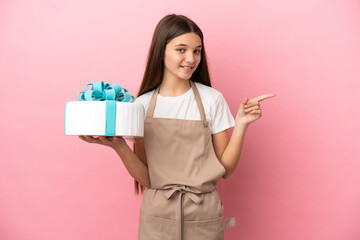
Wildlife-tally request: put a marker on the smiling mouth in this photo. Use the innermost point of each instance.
(189, 68)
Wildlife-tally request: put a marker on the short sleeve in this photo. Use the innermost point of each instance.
(144, 100)
(141, 99)
(221, 115)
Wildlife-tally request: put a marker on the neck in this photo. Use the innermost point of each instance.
(173, 88)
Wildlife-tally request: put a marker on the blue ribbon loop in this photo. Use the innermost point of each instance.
(110, 93)
(101, 91)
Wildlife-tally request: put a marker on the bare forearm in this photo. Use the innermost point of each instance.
(231, 155)
(136, 168)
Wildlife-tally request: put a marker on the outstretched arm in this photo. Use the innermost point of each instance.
(228, 151)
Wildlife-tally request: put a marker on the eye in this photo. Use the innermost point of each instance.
(179, 49)
(198, 51)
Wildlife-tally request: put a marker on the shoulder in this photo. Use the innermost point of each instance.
(145, 98)
(218, 110)
(207, 93)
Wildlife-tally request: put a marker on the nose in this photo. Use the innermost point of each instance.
(190, 58)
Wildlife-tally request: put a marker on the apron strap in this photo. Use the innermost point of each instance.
(151, 107)
(199, 103)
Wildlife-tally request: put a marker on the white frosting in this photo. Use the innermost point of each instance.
(88, 118)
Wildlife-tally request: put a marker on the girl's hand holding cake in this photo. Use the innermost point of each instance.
(110, 141)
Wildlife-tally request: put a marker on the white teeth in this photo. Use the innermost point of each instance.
(187, 67)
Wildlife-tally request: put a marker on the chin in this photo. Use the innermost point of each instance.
(185, 77)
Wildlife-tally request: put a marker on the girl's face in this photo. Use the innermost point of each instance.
(182, 56)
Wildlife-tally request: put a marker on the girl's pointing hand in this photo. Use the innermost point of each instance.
(249, 111)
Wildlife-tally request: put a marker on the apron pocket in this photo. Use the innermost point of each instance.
(212, 229)
(155, 228)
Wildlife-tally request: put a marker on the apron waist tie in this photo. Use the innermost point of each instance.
(179, 210)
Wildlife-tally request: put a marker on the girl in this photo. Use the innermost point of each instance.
(186, 148)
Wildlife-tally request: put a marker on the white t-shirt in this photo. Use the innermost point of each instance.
(184, 107)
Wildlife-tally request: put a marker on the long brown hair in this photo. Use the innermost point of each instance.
(169, 27)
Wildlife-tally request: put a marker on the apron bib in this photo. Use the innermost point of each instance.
(183, 202)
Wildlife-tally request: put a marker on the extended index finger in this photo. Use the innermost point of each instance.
(263, 97)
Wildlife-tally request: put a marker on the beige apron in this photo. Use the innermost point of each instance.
(183, 202)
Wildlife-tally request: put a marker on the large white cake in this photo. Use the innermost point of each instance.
(89, 118)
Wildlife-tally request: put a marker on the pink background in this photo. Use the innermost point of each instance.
(298, 175)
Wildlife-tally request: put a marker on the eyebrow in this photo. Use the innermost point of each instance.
(181, 44)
